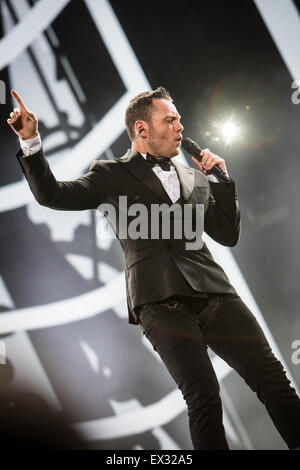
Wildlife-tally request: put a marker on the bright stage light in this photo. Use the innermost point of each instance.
(225, 130)
(229, 130)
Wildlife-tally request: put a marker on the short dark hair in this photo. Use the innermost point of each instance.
(140, 108)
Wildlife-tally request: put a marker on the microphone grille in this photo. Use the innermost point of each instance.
(190, 146)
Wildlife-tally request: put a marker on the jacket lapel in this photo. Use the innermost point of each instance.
(136, 165)
(187, 179)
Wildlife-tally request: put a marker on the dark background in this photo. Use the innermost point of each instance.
(217, 59)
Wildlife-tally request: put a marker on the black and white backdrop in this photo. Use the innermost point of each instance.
(63, 314)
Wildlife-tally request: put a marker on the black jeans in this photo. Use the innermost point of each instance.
(181, 333)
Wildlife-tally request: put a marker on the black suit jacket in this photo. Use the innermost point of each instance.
(156, 269)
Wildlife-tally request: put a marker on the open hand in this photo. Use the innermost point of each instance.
(22, 121)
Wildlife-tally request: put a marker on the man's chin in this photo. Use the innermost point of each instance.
(176, 152)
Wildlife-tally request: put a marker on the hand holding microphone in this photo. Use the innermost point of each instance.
(208, 162)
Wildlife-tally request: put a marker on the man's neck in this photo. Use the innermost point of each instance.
(144, 149)
(141, 148)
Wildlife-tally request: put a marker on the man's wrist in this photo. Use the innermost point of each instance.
(215, 179)
(29, 138)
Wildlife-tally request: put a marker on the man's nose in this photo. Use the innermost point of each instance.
(180, 127)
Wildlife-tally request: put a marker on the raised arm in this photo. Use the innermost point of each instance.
(86, 192)
(222, 218)
(22, 121)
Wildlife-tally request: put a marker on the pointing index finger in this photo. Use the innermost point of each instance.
(19, 100)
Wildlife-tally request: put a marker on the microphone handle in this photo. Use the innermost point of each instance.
(193, 149)
(215, 170)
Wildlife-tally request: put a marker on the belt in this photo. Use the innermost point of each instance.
(174, 303)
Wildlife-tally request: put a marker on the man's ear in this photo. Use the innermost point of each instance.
(141, 129)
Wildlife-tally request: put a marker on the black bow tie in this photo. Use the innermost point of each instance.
(164, 162)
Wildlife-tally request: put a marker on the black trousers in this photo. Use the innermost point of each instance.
(181, 331)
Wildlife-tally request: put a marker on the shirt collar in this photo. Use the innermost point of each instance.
(145, 155)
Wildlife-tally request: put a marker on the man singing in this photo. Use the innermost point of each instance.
(181, 298)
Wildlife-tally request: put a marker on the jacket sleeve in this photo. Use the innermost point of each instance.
(222, 218)
(85, 192)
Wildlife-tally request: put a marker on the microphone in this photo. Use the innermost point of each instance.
(193, 149)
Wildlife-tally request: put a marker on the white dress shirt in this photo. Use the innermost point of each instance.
(169, 179)
(31, 146)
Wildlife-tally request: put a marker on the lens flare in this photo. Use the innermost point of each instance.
(226, 130)
(230, 131)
